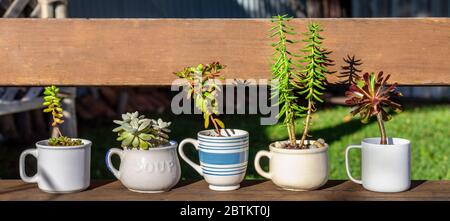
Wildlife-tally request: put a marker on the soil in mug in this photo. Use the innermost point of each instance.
(319, 143)
(226, 133)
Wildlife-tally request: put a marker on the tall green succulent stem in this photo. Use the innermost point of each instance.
(291, 133)
(383, 139)
(290, 122)
(283, 72)
(307, 123)
(313, 81)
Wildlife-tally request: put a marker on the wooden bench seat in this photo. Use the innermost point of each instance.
(249, 191)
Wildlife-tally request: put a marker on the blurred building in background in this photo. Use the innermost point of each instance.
(206, 8)
(256, 8)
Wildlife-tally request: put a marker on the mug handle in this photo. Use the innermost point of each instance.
(347, 167)
(185, 158)
(111, 167)
(23, 176)
(258, 168)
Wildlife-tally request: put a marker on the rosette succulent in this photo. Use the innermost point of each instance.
(136, 131)
(370, 96)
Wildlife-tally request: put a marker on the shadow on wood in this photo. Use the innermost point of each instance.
(99, 183)
(18, 188)
(416, 183)
(332, 184)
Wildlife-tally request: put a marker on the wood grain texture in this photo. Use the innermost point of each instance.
(147, 51)
(249, 191)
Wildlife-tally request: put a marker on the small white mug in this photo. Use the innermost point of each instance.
(60, 169)
(385, 168)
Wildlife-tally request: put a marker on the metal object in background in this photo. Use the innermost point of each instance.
(53, 8)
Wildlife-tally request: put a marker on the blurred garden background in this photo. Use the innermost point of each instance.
(425, 121)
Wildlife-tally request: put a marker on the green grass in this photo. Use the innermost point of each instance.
(427, 127)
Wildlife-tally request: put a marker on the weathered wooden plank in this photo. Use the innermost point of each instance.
(147, 51)
(250, 190)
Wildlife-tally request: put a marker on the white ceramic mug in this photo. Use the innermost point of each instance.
(385, 168)
(60, 169)
(295, 169)
(223, 160)
(147, 171)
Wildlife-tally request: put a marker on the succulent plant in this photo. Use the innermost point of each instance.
(64, 141)
(370, 96)
(204, 88)
(52, 101)
(310, 80)
(284, 74)
(136, 131)
(313, 80)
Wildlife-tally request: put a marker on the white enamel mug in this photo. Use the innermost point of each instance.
(60, 169)
(385, 168)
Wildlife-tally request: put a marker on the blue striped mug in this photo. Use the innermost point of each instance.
(223, 159)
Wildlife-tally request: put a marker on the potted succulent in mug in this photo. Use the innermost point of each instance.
(63, 163)
(223, 153)
(385, 161)
(297, 164)
(149, 161)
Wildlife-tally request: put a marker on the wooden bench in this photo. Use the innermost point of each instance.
(135, 52)
(250, 190)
